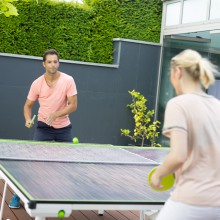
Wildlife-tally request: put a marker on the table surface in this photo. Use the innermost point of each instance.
(81, 173)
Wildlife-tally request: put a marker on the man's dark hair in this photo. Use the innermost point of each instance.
(50, 52)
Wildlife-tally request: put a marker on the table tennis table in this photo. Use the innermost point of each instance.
(53, 179)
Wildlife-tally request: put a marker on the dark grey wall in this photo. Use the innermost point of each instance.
(102, 91)
(215, 89)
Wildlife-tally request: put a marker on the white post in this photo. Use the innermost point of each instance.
(3, 201)
(100, 212)
(142, 214)
(40, 218)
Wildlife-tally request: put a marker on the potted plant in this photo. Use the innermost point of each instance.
(145, 128)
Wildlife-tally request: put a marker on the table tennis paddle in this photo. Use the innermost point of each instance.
(30, 123)
(167, 181)
(32, 120)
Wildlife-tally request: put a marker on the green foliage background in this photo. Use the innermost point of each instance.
(79, 32)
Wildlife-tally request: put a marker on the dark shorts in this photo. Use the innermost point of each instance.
(44, 132)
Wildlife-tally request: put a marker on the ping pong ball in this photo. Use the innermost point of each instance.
(75, 140)
(61, 214)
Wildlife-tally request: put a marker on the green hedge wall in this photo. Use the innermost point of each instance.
(79, 32)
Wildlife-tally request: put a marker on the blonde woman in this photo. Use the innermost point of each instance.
(192, 122)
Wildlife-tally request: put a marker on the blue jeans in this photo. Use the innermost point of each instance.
(44, 132)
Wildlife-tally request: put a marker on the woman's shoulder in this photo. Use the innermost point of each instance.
(192, 99)
(180, 99)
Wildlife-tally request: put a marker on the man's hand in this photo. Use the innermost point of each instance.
(50, 119)
(29, 123)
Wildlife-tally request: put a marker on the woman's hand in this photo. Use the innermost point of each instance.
(155, 180)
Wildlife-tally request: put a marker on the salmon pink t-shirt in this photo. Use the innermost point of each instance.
(53, 99)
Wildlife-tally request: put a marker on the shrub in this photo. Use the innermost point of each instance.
(144, 128)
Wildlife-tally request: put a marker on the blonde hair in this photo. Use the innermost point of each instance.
(198, 67)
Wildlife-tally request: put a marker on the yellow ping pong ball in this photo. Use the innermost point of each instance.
(75, 140)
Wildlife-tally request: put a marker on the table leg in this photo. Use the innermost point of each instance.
(151, 214)
(142, 215)
(3, 200)
(100, 212)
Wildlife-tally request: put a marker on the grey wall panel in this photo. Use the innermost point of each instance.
(102, 91)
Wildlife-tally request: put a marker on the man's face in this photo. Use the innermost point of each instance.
(51, 63)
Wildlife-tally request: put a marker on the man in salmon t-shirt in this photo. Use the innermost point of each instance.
(57, 96)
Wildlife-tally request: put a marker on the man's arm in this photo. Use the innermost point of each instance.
(71, 107)
(28, 112)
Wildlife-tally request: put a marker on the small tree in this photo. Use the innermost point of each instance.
(144, 128)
